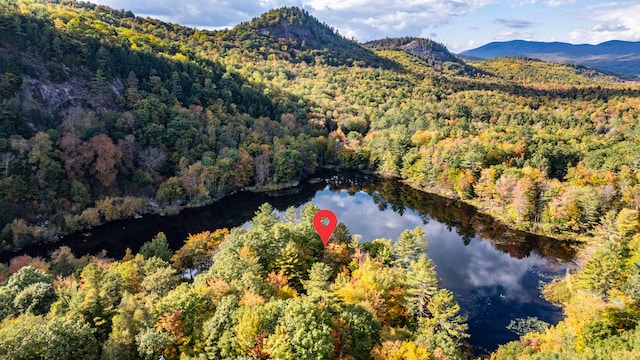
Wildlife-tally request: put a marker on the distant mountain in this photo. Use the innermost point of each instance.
(621, 57)
(425, 49)
(434, 53)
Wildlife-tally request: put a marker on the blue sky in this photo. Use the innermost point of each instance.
(459, 24)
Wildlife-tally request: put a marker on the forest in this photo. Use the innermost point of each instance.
(270, 292)
(105, 115)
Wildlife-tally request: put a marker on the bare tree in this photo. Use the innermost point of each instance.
(262, 168)
(6, 159)
(151, 160)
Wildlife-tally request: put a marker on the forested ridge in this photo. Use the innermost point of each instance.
(106, 115)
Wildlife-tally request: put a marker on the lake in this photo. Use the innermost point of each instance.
(495, 273)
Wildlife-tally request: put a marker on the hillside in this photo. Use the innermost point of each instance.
(423, 48)
(433, 53)
(122, 119)
(106, 115)
(528, 71)
(620, 57)
(292, 34)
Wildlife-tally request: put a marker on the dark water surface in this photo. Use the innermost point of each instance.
(495, 273)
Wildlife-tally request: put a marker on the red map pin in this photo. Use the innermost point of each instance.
(325, 228)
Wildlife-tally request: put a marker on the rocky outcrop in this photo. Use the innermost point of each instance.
(40, 92)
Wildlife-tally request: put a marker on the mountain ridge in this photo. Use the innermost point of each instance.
(298, 36)
(614, 56)
(435, 54)
(423, 48)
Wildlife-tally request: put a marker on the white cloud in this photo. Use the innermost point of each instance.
(499, 270)
(371, 19)
(603, 5)
(514, 35)
(360, 19)
(523, 3)
(360, 221)
(200, 13)
(619, 23)
(610, 28)
(556, 3)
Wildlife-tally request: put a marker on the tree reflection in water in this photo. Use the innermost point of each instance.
(493, 271)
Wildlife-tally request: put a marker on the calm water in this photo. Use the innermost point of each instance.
(495, 273)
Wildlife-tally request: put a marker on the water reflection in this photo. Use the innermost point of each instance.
(493, 271)
(464, 219)
(495, 279)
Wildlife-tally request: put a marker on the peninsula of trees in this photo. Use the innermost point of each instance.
(270, 292)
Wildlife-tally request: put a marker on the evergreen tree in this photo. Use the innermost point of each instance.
(264, 218)
(422, 285)
(410, 244)
(290, 264)
(303, 332)
(101, 87)
(445, 328)
(158, 247)
(217, 326)
(603, 271)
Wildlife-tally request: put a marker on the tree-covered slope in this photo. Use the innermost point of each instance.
(600, 302)
(93, 109)
(271, 291)
(433, 53)
(292, 34)
(529, 72)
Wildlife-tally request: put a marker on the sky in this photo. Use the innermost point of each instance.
(459, 24)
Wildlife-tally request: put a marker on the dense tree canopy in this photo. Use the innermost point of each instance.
(267, 292)
(600, 302)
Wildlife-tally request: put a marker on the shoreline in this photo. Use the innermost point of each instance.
(150, 207)
(567, 237)
(153, 208)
